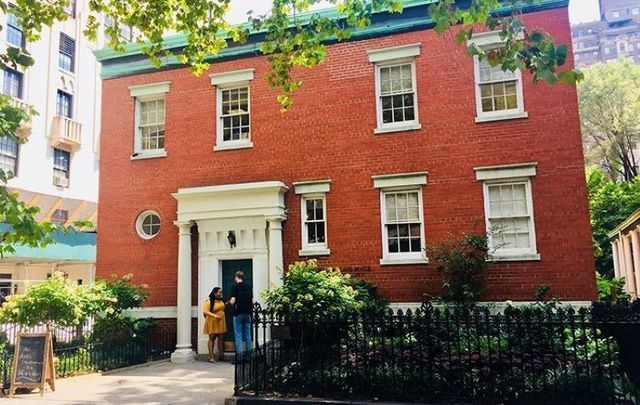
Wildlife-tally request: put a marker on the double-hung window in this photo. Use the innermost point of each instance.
(509, 210)
(396, 89)
(233, 109)
(61, 165)
(15, 36)
(64, 104)
(402, 218)
(150, 107)
(151, 124)
(313, 198)
(499, 93)
(66, 52)
(12, 84)
(9, 155)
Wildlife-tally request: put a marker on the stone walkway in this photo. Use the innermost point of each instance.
(196, 382)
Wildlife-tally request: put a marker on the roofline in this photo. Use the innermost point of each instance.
(122, 64)
(176, 41)
(630, 220)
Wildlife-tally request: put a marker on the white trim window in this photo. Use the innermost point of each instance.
(396, 89)
(150, 112)
(499, 93)
(313, 210)
(402, 218)
(508, 208)
(151, 124)
(148, 224)
(233, 109)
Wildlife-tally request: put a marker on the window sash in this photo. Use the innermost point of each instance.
(150, 123)
(61, 163)
(499, 102)
(9, 154)
(15, 35)
(64, 104)
(66, 52)
(318, 224)
(234, 123)
(400, 230)
(493, 218)
(405, 96)
(12, 85)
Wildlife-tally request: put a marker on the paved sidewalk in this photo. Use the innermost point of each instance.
(196, 382)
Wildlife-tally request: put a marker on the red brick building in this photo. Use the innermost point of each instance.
(399, 141)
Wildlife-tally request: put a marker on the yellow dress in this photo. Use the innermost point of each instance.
(213, 325)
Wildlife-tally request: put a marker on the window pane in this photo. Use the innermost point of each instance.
(319, 210)
(393, 245)
(310, 210)
(320, 232)
(487, 104)
(404, 245)
(415, 245)
(311, 233)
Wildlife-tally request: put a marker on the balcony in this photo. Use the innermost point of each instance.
(66, 133)
(25, 129)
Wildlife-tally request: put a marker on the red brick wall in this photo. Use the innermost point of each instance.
(328, 134)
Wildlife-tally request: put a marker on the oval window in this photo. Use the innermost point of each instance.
(148, 224)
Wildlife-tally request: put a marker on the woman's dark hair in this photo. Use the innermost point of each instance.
(212, 297)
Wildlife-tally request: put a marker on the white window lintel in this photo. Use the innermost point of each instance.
(393, 53)
(312, 187)
(400, 180)
(489, 39)
(149, 89)
(233, 77)
(512, 171)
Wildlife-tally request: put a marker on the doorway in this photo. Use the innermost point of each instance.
(229, 269)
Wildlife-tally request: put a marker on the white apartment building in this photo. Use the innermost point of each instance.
(57, 168)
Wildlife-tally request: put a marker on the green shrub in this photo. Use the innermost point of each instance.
(56, 301)
(612, 290)
(123, 294)
(113, 326)
(462, 264)
(313, 294)
(372, 302)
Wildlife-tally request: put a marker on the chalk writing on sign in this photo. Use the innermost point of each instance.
(30, 360)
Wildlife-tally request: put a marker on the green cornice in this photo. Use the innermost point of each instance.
(132, 61)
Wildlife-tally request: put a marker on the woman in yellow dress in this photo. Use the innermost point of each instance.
(215, 323)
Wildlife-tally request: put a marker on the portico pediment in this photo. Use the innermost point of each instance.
(232, 201)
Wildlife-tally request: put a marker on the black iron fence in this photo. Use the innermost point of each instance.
(82, 355)
(526, 355)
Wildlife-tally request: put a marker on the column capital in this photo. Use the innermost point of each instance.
(275, 222)
(184, 227)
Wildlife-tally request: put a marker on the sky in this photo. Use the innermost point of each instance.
(579, 10)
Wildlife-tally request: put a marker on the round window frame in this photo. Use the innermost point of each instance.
(139, 221)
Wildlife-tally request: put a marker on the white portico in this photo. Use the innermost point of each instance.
(250, 213)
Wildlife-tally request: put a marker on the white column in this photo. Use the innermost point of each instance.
(621, 261)
(635, 250)
(276, 258)
(628, 264)
(92, 274)
(614, 254)
(184, 351)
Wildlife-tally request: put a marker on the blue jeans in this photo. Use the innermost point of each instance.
(242, 331)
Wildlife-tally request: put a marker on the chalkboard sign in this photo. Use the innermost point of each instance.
(30, 360)
(33, 362)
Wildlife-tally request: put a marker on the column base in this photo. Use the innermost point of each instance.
(183, 356)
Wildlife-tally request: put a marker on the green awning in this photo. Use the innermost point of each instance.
(71, 246)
